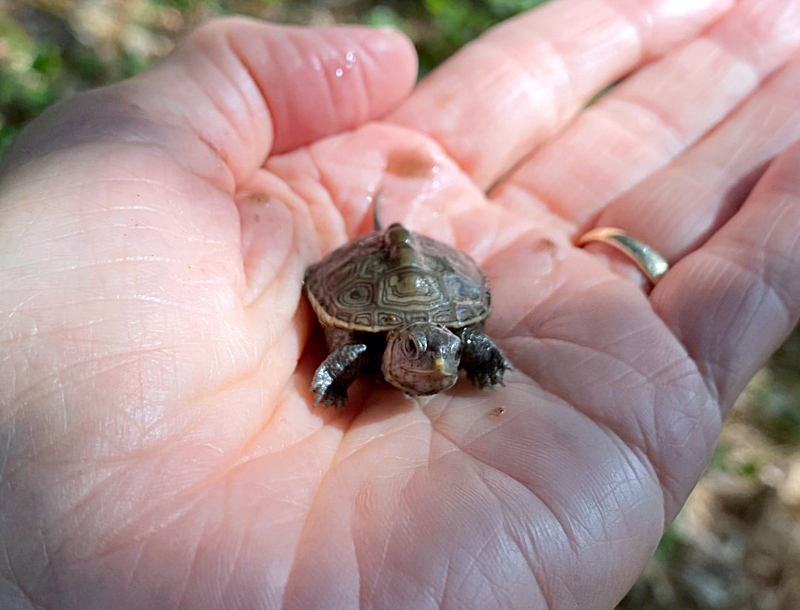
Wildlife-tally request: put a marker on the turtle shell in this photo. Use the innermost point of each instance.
(364, 286)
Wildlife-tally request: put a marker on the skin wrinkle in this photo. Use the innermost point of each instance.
(122, 466)
(103, 549)
(530, 77)
(499, 425)
(643, 456)
(195, 494)
(538, 579)
(227, 182)
(96, 263)
(228, 580)
(77, 188)
(758, 276)
(514, 329)
(269, 423)
(134, 298)
(739, 63)
(193, 552)
(640, 19)
(87, 232)
(360, 586)
(127, 358)
(567, 531)
(245, 65)
(224, 184)
(425, 590)
(652, 464)
(475, 564)
(231, 84)
(29, 179)
(672, 140)
(315, 498)
(529, 238)
(9, 440)
(709, 39)
(702, 361)
(324, 182)
(371, 65)
(255, 110)
(16, 582)
(523, 323)
(136, 562)
(26, 203)
(250, 443)
(366, 444)
(768, 251)
(787, 202)
(492, 539)
(49, 569)
(292, 44)
(381, 562)
(329, 78)
(75, 516)
(416, 469)
(753, 23)
(744, 306)
(281, 268)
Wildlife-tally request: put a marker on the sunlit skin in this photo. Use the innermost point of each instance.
(158, 443)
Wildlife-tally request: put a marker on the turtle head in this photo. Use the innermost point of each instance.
(421, 358)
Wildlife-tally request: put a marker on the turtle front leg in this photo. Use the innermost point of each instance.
(337, 372)
(482, 360)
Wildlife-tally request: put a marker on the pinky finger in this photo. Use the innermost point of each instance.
(735, 299)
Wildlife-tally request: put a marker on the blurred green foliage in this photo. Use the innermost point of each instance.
(26, 79)
(775, 404)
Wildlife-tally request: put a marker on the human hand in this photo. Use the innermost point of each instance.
(158, 446)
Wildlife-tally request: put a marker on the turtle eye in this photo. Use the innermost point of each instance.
(415, 345)
(458, 352)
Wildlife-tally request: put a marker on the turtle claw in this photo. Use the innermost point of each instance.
(491, 371)
(328, 394)
(337, 372)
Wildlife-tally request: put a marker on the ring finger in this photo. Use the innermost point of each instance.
(679, 207)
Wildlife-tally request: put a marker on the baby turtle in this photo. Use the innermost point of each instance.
(407, 306)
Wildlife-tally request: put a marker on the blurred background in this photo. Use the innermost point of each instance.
(736, 545)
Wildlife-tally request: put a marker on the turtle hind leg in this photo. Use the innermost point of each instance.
(337, 372)
(482, 360)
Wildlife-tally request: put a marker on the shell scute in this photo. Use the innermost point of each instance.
(360, 287)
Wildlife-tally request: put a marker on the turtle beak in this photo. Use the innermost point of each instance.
(441, 366)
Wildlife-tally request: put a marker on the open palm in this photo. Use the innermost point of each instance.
(158, 443)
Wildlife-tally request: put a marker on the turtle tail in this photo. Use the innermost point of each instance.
(376, 216)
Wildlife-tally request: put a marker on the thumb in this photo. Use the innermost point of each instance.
(238, 89)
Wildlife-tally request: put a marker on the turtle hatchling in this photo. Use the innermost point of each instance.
(400, 304)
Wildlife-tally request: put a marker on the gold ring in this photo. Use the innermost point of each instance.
(652, 264)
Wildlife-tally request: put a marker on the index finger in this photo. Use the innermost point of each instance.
(493, 101)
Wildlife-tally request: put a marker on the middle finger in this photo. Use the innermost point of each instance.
(517, 84)
(654, 115)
